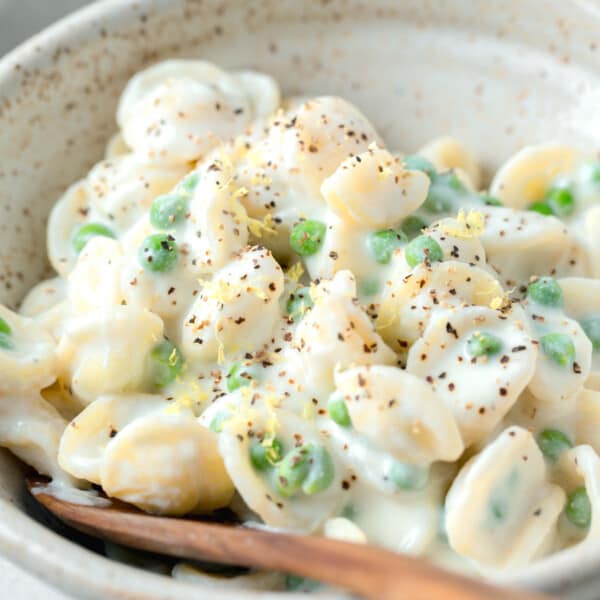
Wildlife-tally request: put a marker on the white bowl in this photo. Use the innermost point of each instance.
(497, 75)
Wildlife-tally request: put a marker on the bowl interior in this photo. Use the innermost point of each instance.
(495, 79)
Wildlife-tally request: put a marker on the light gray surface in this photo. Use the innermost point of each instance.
(20, 19)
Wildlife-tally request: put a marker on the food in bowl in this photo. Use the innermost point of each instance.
(259, 306)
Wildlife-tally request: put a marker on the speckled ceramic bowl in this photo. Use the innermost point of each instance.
(496, 74)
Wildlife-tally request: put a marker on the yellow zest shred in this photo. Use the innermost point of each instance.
(464, 226)
(496, 303)
(173, 357)
(308, 411)
(295, 272)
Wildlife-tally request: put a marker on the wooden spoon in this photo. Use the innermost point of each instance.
(371, 572)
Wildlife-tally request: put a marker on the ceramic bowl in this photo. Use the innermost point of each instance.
(497, 75)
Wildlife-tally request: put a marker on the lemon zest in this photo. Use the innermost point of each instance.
(465, 226)
(295, 272)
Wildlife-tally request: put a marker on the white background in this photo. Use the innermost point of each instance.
(20, 19)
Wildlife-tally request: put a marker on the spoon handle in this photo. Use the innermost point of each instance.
(368, 571)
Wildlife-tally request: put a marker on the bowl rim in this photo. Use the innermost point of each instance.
(96, 574)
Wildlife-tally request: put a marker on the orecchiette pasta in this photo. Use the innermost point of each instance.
(258, 306)
(447, 153)
(504, 491)
(178, 110)
(525, 178)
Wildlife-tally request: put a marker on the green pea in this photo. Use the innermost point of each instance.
(579, 508)
(292, 471)
(412, 226)
(158, 253)
(240, 375)
(298, 302)
(552, 443)
(444, 193)
(499, 508)
(591, 326)
(264, 454)
(6, 342)
(408, 477)
(190, 182)
(423, 249)
(84, 233)
(559, 347)
(349, 512)
(561, 200)
(167, 363)
(546, 291)
(338, 411)
(490, 200)
(414, 162)
(368, 287)
(321, 472)
(542, 208)
(308, 468)
(294, 583)
(167, 211)
(483, 344)
(383, 243)
(306, 237)
(218, 420)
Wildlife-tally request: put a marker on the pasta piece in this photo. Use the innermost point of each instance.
(43, 296)
(237, 310)
(447, 153)
(260, 487)
(526, 176)
(343, 529)
(120, 190)
(107, 351)
(579, 469)
(587, 419)
(409, 300)
(519, 245)
(478, 361)
(591, 226)
(564, 360)
(116, 146)
(546, 413)
(217, 225)
(166, 465)
(343, 248)
(459, 238)
(168, 294)
(397, 412)
(373, 189)
(69, 212)
(84, 440)
(501, 511)
(178, 110)
(31, 428)
(27, 354)
(316, 138)
(95, 282)
(67, 405)
(407, 522)
(582, 303)
(337, 333)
